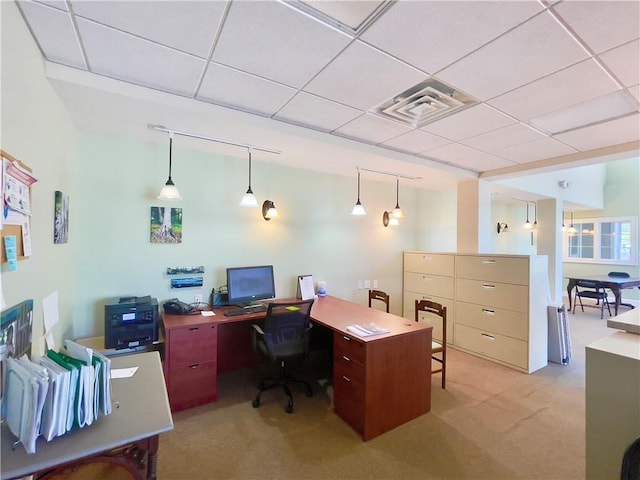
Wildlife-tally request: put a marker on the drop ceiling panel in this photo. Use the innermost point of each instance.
(348, 78)
(467, 157)
(535, 150)
(372, 129)
(624, 62)
(403, 27)
(469, 122)
(316, 112)
(635, 91)
(350, 13)
(575, 84)
(187, 25)
(277, 42)
(416, 141)
(535, 49)
(61, 4)
(495, 140)
(54, 31)
(225, 86)
(604, 24)
(611, 133)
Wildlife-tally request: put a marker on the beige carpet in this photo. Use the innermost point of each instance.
(491, 422)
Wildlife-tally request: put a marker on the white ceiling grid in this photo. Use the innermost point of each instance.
(529, 64)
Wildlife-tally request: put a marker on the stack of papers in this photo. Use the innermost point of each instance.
(367, 329)
(53, 394)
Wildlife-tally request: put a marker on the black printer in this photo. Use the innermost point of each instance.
(130, 322)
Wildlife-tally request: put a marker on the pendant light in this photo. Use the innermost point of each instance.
(535, 215)
(249, 199)
(358, 209)
(397, 212)
(564, 227)
(527, 224)
(572, 230)
(170, 191)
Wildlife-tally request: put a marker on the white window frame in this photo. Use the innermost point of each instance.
(596, 241)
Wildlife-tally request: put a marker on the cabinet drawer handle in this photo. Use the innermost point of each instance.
(488, 337)
(346, 378)
(486, 286)
(426, 297)
(346, 358)
(346, 338)
(488, 312)
(428, 259)
(488, 262)
(426, 278)
(195, 365)
(193, 329)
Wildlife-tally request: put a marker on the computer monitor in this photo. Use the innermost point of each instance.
(249, 284)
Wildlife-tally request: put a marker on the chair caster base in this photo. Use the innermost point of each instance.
(289, 408)
(255, 403)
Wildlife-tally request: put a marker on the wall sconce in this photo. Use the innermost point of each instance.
(502, 227)
(389, 219)
(249, 199)
(358, 209)
(269, 210)
(170, 191)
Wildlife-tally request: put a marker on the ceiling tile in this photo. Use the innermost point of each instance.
(225, 86)
(189, 26)
(602, 24)
(536, 150)
(416, 141)
(315, 112)
(54, 31)
(575, 84)
(61, 4)
(125, 57)
(469, 122)
(363, 77)
(614, 132)
(350, 13)
(505, 137)
(407, 26)
(274, 41)
(467, 157)
(371, 129)
(624, 62)
(635, 91)
(535, 49)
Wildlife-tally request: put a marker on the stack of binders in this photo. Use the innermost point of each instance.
(51, 395)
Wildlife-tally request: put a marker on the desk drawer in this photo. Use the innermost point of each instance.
(490, 344)
(193, 385)
(349, 368)
(429, 284)
(193, 344)
(349, 401)
(493, 294)
(495, 269)
(505, 322)
(348, 346)
(423, 262)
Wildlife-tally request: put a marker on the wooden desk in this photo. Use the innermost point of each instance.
(379, 382)
(140, 413)
(616, 284)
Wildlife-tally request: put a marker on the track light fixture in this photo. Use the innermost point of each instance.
(249, 199)
(170, 191)
(358, 209)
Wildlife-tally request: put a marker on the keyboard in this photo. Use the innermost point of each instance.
(245, 310)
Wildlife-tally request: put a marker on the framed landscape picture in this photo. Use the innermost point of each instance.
(166, 225)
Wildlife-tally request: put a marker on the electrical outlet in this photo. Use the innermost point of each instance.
(375, 284)
(359, 284)
(367, 284)
(197, 299)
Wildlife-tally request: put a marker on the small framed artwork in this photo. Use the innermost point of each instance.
(61, 218)
(166, 225)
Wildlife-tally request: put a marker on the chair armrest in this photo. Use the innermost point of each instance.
(258, 329)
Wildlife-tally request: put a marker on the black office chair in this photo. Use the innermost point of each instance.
(631, 462)
(283, 337)
(379, 295)
(439, 344)
(593, 290)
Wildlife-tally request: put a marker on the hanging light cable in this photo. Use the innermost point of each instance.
(249, 199)
(397, 212)
(170, 191)
(535, 215)
(564, 227)
(358, 209)
(572, 230)
(527, 224)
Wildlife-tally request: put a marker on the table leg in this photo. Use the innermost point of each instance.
(152, 465)
(616, 293)
(570, 286)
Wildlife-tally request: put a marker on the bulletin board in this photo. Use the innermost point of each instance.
(21, 173)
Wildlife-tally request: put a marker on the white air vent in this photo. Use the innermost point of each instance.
(424, 103)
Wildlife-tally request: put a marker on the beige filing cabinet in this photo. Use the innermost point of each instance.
(612, 398)
(496, 304)
(429, 276)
